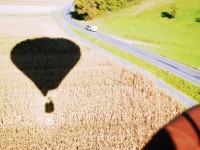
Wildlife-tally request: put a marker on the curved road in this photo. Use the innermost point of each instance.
(176, 68)
(184, 99)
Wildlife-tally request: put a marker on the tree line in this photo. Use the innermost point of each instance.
(89, 9)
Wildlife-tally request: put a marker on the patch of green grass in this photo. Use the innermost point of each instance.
(186, 87)
(177, 38)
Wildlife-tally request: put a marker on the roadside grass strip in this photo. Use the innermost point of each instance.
(182, 85)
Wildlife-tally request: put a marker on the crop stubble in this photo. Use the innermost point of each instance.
(100, 104)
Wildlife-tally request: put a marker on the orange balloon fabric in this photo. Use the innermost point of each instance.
(182, 133)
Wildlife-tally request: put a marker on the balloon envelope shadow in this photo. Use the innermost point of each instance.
(46, 61)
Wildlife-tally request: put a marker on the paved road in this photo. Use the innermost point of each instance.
(188, 102)
(176, 68)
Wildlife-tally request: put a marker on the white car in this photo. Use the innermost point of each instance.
(91, 28)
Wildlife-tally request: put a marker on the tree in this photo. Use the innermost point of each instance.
(171, 14)
(89, 9)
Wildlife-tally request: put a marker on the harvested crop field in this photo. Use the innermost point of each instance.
(99, 104)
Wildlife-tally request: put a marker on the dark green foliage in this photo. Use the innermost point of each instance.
(197, 20)
(89, 9)
(79, 16)
(166, 15)
(171, 14)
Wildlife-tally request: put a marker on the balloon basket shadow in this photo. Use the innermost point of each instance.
(49, 106)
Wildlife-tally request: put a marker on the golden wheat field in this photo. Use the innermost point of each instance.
(99, 104)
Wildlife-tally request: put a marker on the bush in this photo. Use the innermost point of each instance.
(78, 16)
(166, 15)
(171, 14)
(197, 20)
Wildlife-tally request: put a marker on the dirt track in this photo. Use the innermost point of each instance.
(99, 104)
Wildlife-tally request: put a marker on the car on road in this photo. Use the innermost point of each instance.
(91, 28)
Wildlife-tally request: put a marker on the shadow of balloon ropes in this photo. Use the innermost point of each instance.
(46, 61)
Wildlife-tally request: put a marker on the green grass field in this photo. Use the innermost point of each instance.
(186, 87)
(178, 39)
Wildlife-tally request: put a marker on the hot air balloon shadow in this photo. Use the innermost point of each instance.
(46, 61)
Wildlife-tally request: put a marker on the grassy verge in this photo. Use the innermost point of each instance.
(186, 87)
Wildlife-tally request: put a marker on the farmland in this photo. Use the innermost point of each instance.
(99, 104)
(143, 26)
(176, 38)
